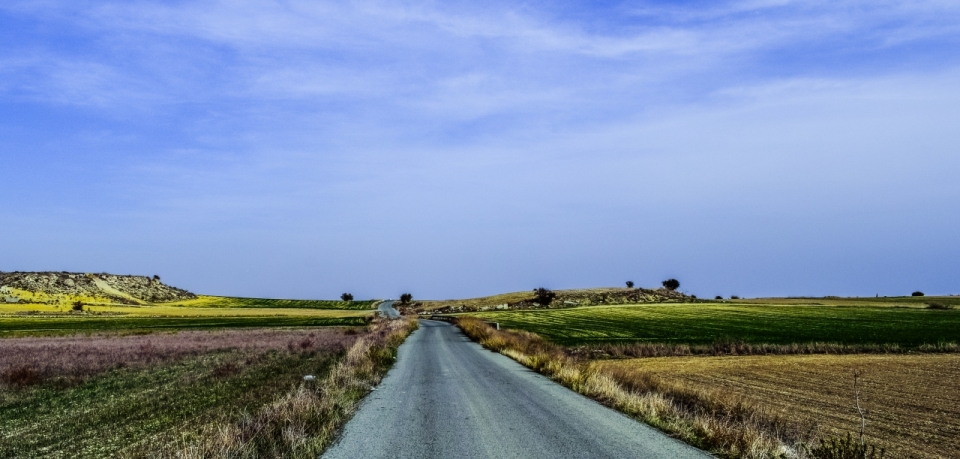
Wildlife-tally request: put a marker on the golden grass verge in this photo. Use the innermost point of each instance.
(307, 419)
(721, 422)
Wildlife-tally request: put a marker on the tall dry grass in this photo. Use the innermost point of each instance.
(720, 422)
(306, 420)
(73, 359)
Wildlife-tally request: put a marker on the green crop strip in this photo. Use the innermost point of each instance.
(705, 323)
(236, 302)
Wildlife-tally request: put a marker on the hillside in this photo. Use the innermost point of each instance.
(60, 287)
(563, 299)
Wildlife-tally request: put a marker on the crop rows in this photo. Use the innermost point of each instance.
(705, 323)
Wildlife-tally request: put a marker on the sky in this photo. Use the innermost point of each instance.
(302, 149)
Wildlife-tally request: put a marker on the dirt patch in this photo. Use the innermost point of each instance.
(912, 402)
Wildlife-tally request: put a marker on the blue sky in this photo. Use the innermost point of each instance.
(455, 149)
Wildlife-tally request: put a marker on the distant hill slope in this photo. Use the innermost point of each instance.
(563, 299)
(49, 287)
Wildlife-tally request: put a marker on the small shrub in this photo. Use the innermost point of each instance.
(629, 284)
(544, 296)
(23, 377)
(734, 297)
(225, 371)
(939, 306)
(406, 298)
(671, 284)
(844, 448)
(78, 306)
(347, 297)
(718, 297)
(917, 293)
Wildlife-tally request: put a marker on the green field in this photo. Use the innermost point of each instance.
(204, 301)
(31, 325)
(705, 323)
(136, 413)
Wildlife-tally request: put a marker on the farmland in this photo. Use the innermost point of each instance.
(205, 312)
(912, 403)
(206, 301)
(754, 322)
(198, 393)
(107, 395)
(760, 403)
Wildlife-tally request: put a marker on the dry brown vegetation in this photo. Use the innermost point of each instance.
(724, 423)
(305, 421)
(912, 402)
(72, 359)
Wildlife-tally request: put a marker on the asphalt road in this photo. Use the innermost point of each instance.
(386, 309)
(447, 397)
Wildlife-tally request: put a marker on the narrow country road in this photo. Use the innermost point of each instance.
(447, 397)
(386, 309)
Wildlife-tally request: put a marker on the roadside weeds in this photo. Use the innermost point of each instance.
(721, 423)
(306, 420)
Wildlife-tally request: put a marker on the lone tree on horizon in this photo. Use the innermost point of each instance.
(406, 298)
(629, 284)
(671, 284)
(917, 293)
(347, 297)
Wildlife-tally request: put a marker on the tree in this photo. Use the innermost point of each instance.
(718, 297)
(671, 284)
(544, 296)
(406, 298)
(629, 284)
(347, 297)
(917, 293)
(156, 278)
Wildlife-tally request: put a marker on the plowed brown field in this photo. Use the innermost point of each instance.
(912, 402)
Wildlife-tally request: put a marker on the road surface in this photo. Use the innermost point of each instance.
(447, 397)
(386, 309)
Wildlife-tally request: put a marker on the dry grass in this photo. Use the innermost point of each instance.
(69, 360)
(725, 424)
(912, 401)
(304, 422)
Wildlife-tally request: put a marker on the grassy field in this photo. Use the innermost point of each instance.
(188, 394)
(912, 401)
(704, 323)
(206, 312)
(108, 396)
(65, 325)
(206, 301)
